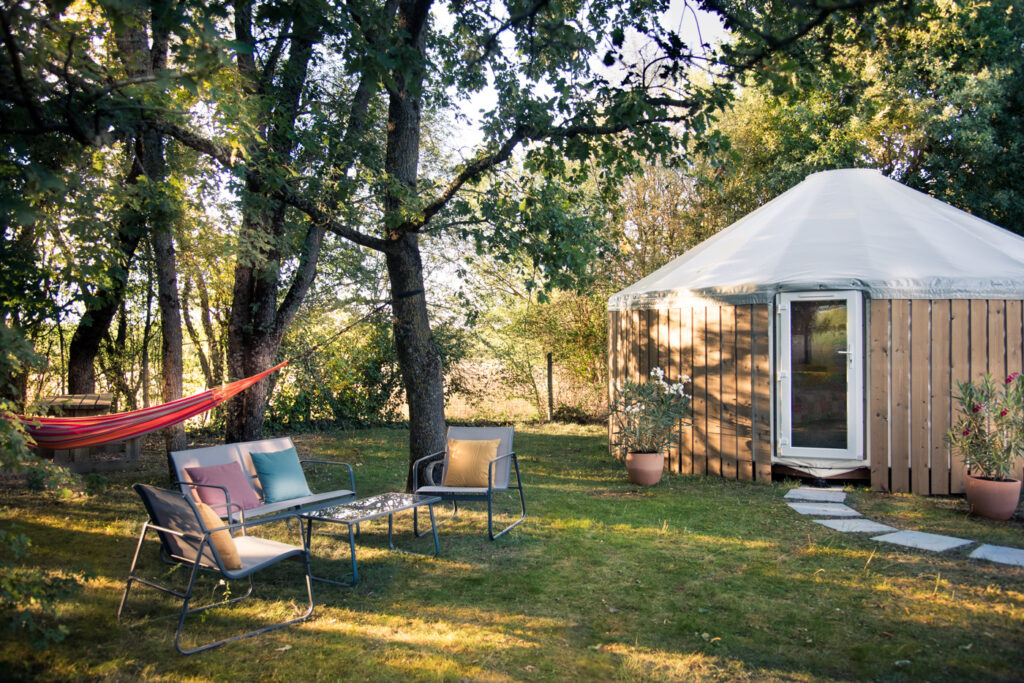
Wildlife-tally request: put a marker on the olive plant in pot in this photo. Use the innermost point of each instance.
(647, 417)
(989, 435)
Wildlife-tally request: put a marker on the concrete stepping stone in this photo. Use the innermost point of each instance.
(817, 495)
(825, 509)
(922, 541)
(856, 525)
(999, 553)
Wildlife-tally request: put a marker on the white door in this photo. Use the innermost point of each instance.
(821, 375)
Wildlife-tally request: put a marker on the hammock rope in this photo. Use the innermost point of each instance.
(58, 433)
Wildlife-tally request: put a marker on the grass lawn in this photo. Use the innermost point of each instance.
(694, 579)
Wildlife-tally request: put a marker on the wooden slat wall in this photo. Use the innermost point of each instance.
(918, 350)
(724, 350)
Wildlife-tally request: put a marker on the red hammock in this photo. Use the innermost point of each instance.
(78, 432)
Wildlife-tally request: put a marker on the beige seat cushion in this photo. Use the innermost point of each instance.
(222, 541)
(468, 461)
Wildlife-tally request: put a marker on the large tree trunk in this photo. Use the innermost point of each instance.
(418, 356)
(170, 326)
(258, 320)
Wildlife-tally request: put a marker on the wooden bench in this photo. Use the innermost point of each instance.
(241, 453)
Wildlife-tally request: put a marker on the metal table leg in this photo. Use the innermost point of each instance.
(352, 550)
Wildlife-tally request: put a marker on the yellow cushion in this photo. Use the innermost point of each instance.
(221, 540)
(468, 460)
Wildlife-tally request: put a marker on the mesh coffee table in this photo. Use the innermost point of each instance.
(364, 510)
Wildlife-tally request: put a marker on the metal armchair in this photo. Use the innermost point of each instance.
(186, 539)
(434, 469)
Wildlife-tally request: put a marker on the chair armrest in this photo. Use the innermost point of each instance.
(227, 497)
(416, 467)
(351, 474)
(490, 469)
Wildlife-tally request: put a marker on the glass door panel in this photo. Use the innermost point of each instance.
(818, 351)
(820, 375)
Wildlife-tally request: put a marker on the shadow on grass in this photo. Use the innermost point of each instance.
(693, 579)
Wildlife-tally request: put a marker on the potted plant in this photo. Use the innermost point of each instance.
(647, 417)
(989, 434)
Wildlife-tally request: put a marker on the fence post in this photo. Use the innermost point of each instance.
(551, 393)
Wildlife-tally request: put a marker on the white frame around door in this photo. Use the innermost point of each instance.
(854, 378)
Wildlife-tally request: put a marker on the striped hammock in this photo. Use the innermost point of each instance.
(79, 432)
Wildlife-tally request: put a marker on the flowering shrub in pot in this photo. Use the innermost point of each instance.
(989, 435)
(646, 417)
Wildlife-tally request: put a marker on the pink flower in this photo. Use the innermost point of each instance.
(966, 432)
(1012, 377)
(977, 408)
(1002, 413)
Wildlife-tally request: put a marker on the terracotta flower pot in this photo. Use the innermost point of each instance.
(645, 468)
(992, 498)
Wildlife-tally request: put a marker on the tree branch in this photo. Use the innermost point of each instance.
(227, 159)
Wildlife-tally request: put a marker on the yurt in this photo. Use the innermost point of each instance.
(825, 332)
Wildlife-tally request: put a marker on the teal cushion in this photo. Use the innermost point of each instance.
(280, 475)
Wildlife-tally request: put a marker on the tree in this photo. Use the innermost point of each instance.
(313, 148)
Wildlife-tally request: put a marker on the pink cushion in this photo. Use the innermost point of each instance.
(231, 477)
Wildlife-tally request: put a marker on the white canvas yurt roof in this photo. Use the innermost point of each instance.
(846, 229)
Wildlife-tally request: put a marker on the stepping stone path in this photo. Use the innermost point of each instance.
(922, 541)
(865, 526)
(825, 509)
(829, 502)
(999, 553)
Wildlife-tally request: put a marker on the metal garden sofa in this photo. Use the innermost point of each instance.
(241, 453)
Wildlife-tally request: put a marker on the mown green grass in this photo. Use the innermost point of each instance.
(694, 579)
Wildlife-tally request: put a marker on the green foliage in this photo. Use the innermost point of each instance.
(29, 598)
(989, 432)
(570, 415)
(352, 380)
(931, 96)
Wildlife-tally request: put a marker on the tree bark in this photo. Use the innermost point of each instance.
(418, 357)
(170, 326)
(258, 321)
(143, 57)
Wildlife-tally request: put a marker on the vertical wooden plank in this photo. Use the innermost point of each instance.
(700, 391)
(979, 338)
(686, 369)
(761, 389)
(672, 369)
(613, 337)
(879, 372)
(899, 413)
(728, 424)
(920, 396)
(997, 340)
(644, 365)
(744, 403)
(1014, 337)
(634, 345)
(1015, 349)
(960, 371)
(713, 378)
(997, 348)
(941, 365)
